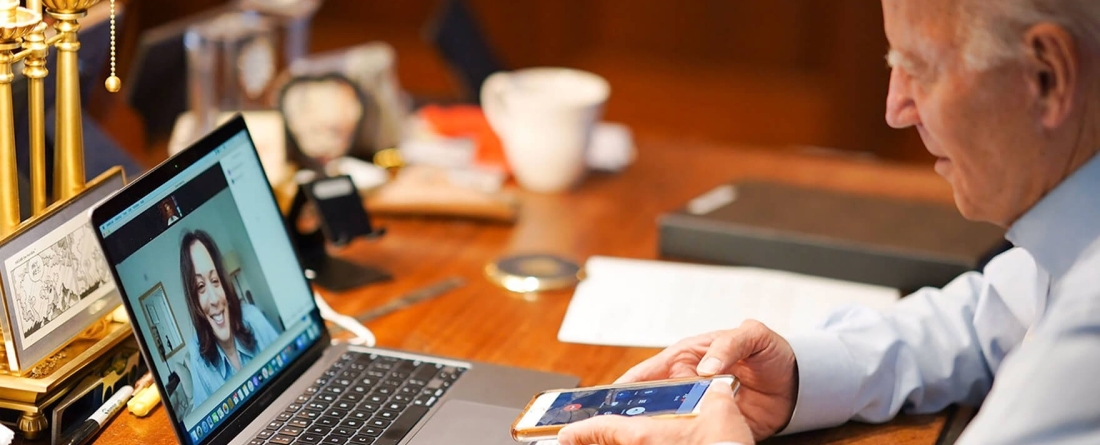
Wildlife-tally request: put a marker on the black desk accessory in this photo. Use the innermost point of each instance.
(890, 242)
(342, 218)
(455, 33)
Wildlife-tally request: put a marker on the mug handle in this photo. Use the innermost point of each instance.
(492, 101)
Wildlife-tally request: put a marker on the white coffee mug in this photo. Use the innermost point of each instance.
(545, 118)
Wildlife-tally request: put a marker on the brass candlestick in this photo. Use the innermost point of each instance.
(34, 69)
(69, 151)
(15, 22)
(23, 29)
(23, 38)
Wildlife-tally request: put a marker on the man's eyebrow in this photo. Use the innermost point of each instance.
(895, 59)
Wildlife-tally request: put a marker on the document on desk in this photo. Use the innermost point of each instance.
(626, 302)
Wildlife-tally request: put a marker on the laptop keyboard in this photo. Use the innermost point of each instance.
(362, 399)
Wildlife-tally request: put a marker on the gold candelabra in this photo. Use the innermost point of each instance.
(23, 38)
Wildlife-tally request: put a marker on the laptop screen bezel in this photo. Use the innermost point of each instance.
(144, 186)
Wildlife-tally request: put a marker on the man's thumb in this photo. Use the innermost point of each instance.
(719, 398)
(599, 430)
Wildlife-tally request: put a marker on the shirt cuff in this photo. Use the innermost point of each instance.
(828, 382)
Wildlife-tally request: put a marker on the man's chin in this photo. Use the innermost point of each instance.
(974, 212)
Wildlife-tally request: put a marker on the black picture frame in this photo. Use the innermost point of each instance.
(293, 114)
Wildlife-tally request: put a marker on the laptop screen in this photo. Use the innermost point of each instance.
(216, 292)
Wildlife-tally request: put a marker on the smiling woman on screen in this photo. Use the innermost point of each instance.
(228, 333)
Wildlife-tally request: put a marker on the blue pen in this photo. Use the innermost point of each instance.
(91, 426)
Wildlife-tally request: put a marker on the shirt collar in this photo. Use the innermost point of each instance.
(1064, 222)
(224, 368)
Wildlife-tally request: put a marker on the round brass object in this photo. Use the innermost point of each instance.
(389, 158)
(533, 272)
(20, 22)
(113, 84)
(69, 6)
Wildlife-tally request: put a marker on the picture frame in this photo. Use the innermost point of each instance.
(54, 279)
(154, 303)
(324, 116)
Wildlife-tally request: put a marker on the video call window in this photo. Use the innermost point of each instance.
(574, 406)
(203, 294)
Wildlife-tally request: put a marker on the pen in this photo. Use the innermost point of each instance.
(91, 426)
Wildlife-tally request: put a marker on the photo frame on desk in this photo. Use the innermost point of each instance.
(325, 116)
(54, 278)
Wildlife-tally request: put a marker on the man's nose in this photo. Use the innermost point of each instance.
(901, 110)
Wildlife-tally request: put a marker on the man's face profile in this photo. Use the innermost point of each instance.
(984, 124)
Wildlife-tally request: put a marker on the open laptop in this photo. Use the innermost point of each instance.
(227, 322)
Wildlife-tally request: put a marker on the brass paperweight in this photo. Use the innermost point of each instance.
(58, 292)
(533, 272)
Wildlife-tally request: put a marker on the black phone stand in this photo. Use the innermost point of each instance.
(321, 268)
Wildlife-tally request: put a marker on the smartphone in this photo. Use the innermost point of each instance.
(550, 411)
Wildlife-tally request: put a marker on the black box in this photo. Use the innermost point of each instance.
(896, 243)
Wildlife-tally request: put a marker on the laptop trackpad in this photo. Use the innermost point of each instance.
(462, 422)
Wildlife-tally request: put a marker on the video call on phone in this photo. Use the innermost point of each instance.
(663, 400)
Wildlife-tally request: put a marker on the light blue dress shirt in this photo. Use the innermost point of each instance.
(1023, 336)
(207, 378)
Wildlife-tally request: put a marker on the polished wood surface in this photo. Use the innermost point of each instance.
(609, 214)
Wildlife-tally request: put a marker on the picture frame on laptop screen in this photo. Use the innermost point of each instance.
(55, 280)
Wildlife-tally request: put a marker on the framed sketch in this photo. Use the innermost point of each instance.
(165, 329)
(55, 280)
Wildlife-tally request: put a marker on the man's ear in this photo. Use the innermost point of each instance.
(1052, 70)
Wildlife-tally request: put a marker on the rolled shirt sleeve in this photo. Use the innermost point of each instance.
(934, 348)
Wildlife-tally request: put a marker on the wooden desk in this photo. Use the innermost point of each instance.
(607, 215)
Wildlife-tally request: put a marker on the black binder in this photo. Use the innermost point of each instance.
(896, 243)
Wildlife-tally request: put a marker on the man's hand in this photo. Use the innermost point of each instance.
(719, 420)
(760, 358)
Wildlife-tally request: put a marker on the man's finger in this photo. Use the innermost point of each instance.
(601, 430)
(660, 366)
(718, 400)
(653, 368)
(728, 349)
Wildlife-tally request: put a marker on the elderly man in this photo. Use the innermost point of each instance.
(1006, 95)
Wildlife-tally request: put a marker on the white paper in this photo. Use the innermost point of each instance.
(624, 302)
(6, 435)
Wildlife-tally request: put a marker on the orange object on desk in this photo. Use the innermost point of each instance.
(467, 121)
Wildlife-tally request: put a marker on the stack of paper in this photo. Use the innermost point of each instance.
(625, 302)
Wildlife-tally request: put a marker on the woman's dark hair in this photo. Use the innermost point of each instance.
(208, 345)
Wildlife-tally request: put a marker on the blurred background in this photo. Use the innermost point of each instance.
(782, 72)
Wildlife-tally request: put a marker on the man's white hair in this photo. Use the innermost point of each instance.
(992, 30)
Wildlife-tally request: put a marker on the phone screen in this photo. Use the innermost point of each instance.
(574, 406)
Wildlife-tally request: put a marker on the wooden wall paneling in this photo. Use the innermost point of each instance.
(774, 72)
(860, 82)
